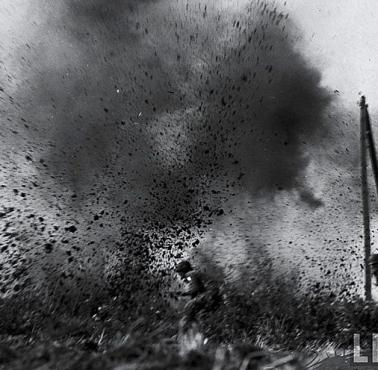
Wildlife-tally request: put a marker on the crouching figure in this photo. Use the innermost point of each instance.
(201, 296)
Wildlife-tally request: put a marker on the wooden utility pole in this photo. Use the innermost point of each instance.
(372, 150)
(364, 125)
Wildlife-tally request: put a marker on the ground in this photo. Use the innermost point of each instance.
(268, 331)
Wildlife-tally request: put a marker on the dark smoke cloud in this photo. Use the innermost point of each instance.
(246, 101)
(310, 199)
(114, 17)
(164, 111)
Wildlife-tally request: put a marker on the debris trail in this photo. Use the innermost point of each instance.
(145, 118)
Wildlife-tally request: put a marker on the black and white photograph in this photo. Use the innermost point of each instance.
(188, 184)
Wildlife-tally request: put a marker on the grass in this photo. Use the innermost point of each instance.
(266, 329)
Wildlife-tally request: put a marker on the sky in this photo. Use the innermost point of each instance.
(340, 37)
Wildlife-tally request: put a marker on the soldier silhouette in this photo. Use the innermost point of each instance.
(200, 296)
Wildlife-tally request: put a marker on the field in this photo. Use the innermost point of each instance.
(269, 329)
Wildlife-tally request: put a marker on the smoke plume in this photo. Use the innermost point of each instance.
(159, 114)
